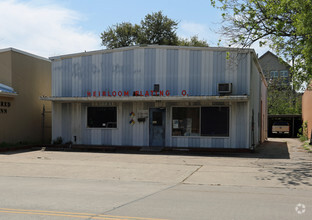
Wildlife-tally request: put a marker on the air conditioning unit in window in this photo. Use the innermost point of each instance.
(224, 88)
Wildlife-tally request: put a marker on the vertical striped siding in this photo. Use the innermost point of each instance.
(66, 122)
(149, 69)
(183, 70)
(196, 71)
(172, 72)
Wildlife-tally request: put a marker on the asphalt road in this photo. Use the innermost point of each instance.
(273, 183)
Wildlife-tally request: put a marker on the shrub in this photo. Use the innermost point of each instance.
(58, 140)
(303, 132)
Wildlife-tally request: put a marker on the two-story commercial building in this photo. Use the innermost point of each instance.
(160, 96)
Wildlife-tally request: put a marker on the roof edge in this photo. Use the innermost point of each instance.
(24, 53)
(73, 55)
(269, 52)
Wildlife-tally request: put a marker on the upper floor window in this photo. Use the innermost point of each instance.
(284, 73)
(274, 74)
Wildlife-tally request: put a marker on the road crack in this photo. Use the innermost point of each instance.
(200, 166)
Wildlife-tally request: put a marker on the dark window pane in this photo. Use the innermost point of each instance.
(215, 121)
(185, 121)
(102, 117)
(157, 118)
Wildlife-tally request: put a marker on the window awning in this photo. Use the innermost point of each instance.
(232, 98)
(7, 91)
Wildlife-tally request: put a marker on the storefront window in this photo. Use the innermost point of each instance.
(185, 121)
(215, 121)
(102, 117)
(212, 121)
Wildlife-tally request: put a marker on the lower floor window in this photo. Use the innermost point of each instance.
(215, 121)
(185, 122)
(102, 117)
(200, 121)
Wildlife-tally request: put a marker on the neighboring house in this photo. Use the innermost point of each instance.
(159, 96)
(275, 69)
(24, 78)
(306, 109)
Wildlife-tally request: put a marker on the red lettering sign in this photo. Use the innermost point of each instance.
(135, 93)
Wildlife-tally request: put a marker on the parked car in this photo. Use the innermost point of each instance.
(280, 128)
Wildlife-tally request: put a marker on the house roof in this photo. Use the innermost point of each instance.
(280, 59)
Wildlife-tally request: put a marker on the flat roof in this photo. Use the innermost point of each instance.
(24, 53)
(88, 53)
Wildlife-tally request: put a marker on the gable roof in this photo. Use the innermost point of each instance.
(279, 59)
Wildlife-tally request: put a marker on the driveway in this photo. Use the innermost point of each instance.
(272, 183)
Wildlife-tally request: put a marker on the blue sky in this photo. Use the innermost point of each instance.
(54, 27)
(101, 14)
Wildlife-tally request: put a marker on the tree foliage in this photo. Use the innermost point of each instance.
(285, 25)
(193, 42)
(155, 28)
(282, 99)
(120, 35)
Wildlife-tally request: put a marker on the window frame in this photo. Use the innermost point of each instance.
(101, 128)
(282, 72)
(275, 75)
(199, 122)
(200, 136)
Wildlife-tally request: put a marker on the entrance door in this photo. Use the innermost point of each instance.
(157, 125)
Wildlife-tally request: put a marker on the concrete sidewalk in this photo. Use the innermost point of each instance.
(267, 184)
(268, 167)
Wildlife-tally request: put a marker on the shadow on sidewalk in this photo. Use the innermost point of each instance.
(273, 149)
(295, 174)
(269, 149)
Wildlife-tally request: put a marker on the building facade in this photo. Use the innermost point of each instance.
(24, 78)
(275, 69)
(160, 96)
(306, 109)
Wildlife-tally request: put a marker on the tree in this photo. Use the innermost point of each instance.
(193, 41)
(285, 25)
(282, 99)
(120, 35)
(155, 28)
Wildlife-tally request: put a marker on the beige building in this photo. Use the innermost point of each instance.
(24, 78)
(306, 109)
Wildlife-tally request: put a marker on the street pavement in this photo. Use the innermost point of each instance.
(275, 182)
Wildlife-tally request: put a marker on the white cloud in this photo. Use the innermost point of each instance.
(260, 50)
(44, 30)
(189, 29)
